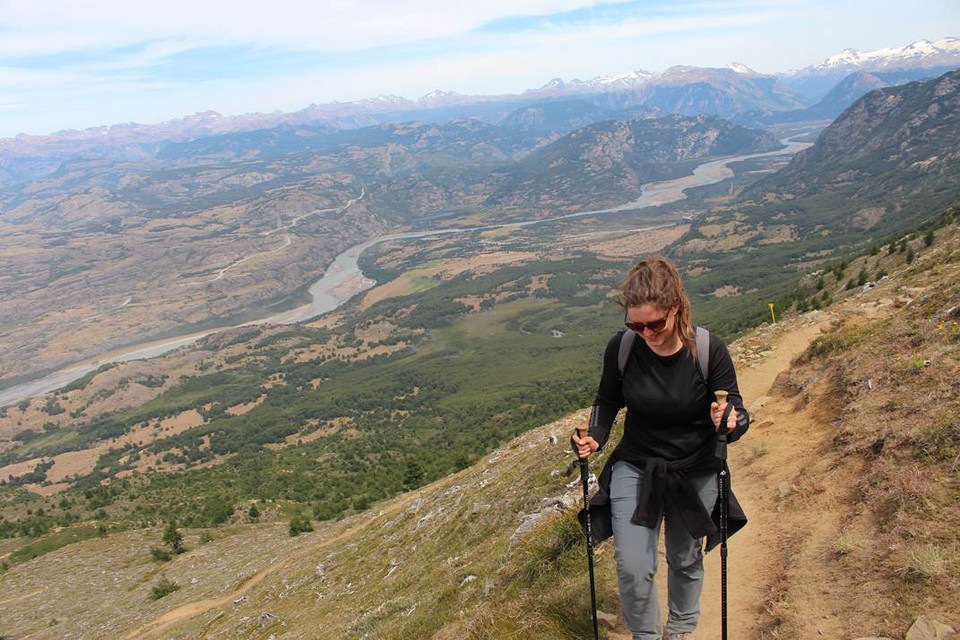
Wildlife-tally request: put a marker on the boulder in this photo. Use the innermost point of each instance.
(926, 628)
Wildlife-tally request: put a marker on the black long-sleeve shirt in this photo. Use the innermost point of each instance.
(668, 406)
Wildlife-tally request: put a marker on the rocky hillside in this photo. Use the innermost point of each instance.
(561, 117)
(849, 90)
(609, 162)
(728, 93)
(908, 135)
(849, 476)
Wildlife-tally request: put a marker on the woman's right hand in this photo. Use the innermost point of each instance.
(585, 445)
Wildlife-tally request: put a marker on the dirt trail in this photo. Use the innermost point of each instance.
(787, 439)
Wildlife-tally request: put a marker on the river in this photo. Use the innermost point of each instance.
(344, 279)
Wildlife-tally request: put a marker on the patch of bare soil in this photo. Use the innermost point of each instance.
(637, 244)
(240, 409)
(19, 468)
(445, 270)
(330, 428)
(725, 291)
(82, 462)
(48, 489)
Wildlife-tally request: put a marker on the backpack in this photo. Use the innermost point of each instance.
(703, 352)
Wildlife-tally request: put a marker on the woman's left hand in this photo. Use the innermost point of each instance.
(716, 413)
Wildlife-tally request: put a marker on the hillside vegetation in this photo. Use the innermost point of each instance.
(849, 474)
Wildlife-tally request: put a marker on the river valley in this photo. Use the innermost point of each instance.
(344, 278)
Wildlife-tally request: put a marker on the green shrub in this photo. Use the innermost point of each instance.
(300, 524)
(163, 588)
(160, 555)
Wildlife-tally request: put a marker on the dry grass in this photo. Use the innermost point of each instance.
(885, 383)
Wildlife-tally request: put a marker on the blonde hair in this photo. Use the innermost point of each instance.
(655, 281)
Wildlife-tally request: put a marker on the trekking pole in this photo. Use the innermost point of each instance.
(585, 481)
(722, 496)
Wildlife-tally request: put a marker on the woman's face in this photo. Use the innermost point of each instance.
(655, 325)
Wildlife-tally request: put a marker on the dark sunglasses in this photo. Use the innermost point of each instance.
(656, 326)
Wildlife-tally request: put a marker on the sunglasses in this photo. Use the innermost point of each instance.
(656, 326)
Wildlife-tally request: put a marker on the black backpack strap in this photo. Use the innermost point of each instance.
(626, 346)
(703, 355)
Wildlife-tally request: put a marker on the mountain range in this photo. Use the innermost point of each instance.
(733, 92)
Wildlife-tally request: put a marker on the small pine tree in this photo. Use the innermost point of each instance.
(928, 239)
(254, 513)
(910, 255)
(821, 284)
(874, 250)
(414, 475)
(173, 538)
(851, 284)
(862, 277)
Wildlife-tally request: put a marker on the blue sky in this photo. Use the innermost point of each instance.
(80, 64)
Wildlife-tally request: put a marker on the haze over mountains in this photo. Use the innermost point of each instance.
(734, 92)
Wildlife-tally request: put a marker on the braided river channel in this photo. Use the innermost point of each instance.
(344, 279)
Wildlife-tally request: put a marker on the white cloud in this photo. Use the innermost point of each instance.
(113, 60)
(15, 77)
(7, 103)
(341, 25)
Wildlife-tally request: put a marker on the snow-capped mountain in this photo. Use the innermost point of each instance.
(815, 81)
(440, 98)
(628, 81)
(922, 53)
(739, 67)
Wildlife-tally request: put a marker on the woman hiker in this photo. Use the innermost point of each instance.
(665, 467)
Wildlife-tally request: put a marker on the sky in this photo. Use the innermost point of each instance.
(77, 64)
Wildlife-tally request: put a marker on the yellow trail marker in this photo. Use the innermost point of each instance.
(774, 317)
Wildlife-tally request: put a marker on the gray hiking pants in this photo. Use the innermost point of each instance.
(636, 554)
